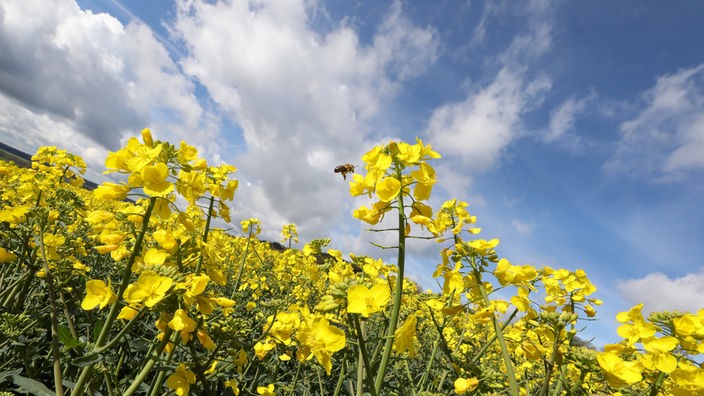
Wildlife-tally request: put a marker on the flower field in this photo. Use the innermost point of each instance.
(130, 289)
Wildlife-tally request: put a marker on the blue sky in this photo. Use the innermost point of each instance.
(574, 130)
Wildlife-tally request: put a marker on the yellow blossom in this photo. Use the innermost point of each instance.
(6, 256)
(365, 301)
(154, 179)
(97, 294)
(405, 336)
(619, 372)
(387, 189)
(110, 191)
(183, 323)
(266, 390)
(322, 340)
(464, 385)
(180, 381)
(150, 288)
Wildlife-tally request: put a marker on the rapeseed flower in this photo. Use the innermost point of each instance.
(464, 385)
(322, 340)
(181, 380)
(97, 294)
(150, 288)
(365, 301)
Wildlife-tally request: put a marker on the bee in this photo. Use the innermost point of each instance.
(344, 169)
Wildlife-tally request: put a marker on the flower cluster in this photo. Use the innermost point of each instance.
(138, 292)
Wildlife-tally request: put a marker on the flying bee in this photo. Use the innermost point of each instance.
(344, 169)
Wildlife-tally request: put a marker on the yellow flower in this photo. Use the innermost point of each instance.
(425, 176)
(153, 257)
(454, 283)
(186, 152)
(183, 323)
(97, 294)
(483, 247)
(405, 336)
(6, 256)
(387, 189)
(659, 356)
(322, 340)
(191, 185)
(128, 312)
(506, 273)
(150, 288)
(165, 239)
(154, 179)
(266, 390)
(377, 159)
(251, 226)
(464, 385)
(366, 301)
(109, 190)
(261, 349)
(520, 300)
(618, 372)
(147, 137)
(686, 325)
(180, 381)
(193, 286)
(205, 340)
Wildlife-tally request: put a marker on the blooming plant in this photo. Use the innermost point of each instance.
(137, 292)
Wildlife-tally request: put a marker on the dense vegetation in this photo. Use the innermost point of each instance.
(129, 289)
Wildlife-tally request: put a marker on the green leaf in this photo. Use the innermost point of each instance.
(34, 387)
(67, 339)
(97, 328)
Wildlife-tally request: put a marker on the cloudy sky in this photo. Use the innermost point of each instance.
(574, 130)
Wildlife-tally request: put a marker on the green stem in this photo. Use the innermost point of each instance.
(398, 292)
(491, 341)
(426, 374)
(657, 384)
(205, 233)
(367, 373)
(150, 363)
(513, 385)
(56, 355)
(550, 363)
(239, 271)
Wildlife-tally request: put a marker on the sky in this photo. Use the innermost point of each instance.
(574, 130)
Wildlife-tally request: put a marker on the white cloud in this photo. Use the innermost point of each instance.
(563, 119)
(478, 129)
(521, 227)
(302, 98)
(98, 79)
(666, 139)
(659, 292)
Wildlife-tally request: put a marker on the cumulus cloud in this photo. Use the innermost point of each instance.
(659, 292)
(665, 140)
(93, 77)
(302, 98)
(477, 129)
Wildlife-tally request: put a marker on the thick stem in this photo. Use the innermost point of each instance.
(398, 292)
